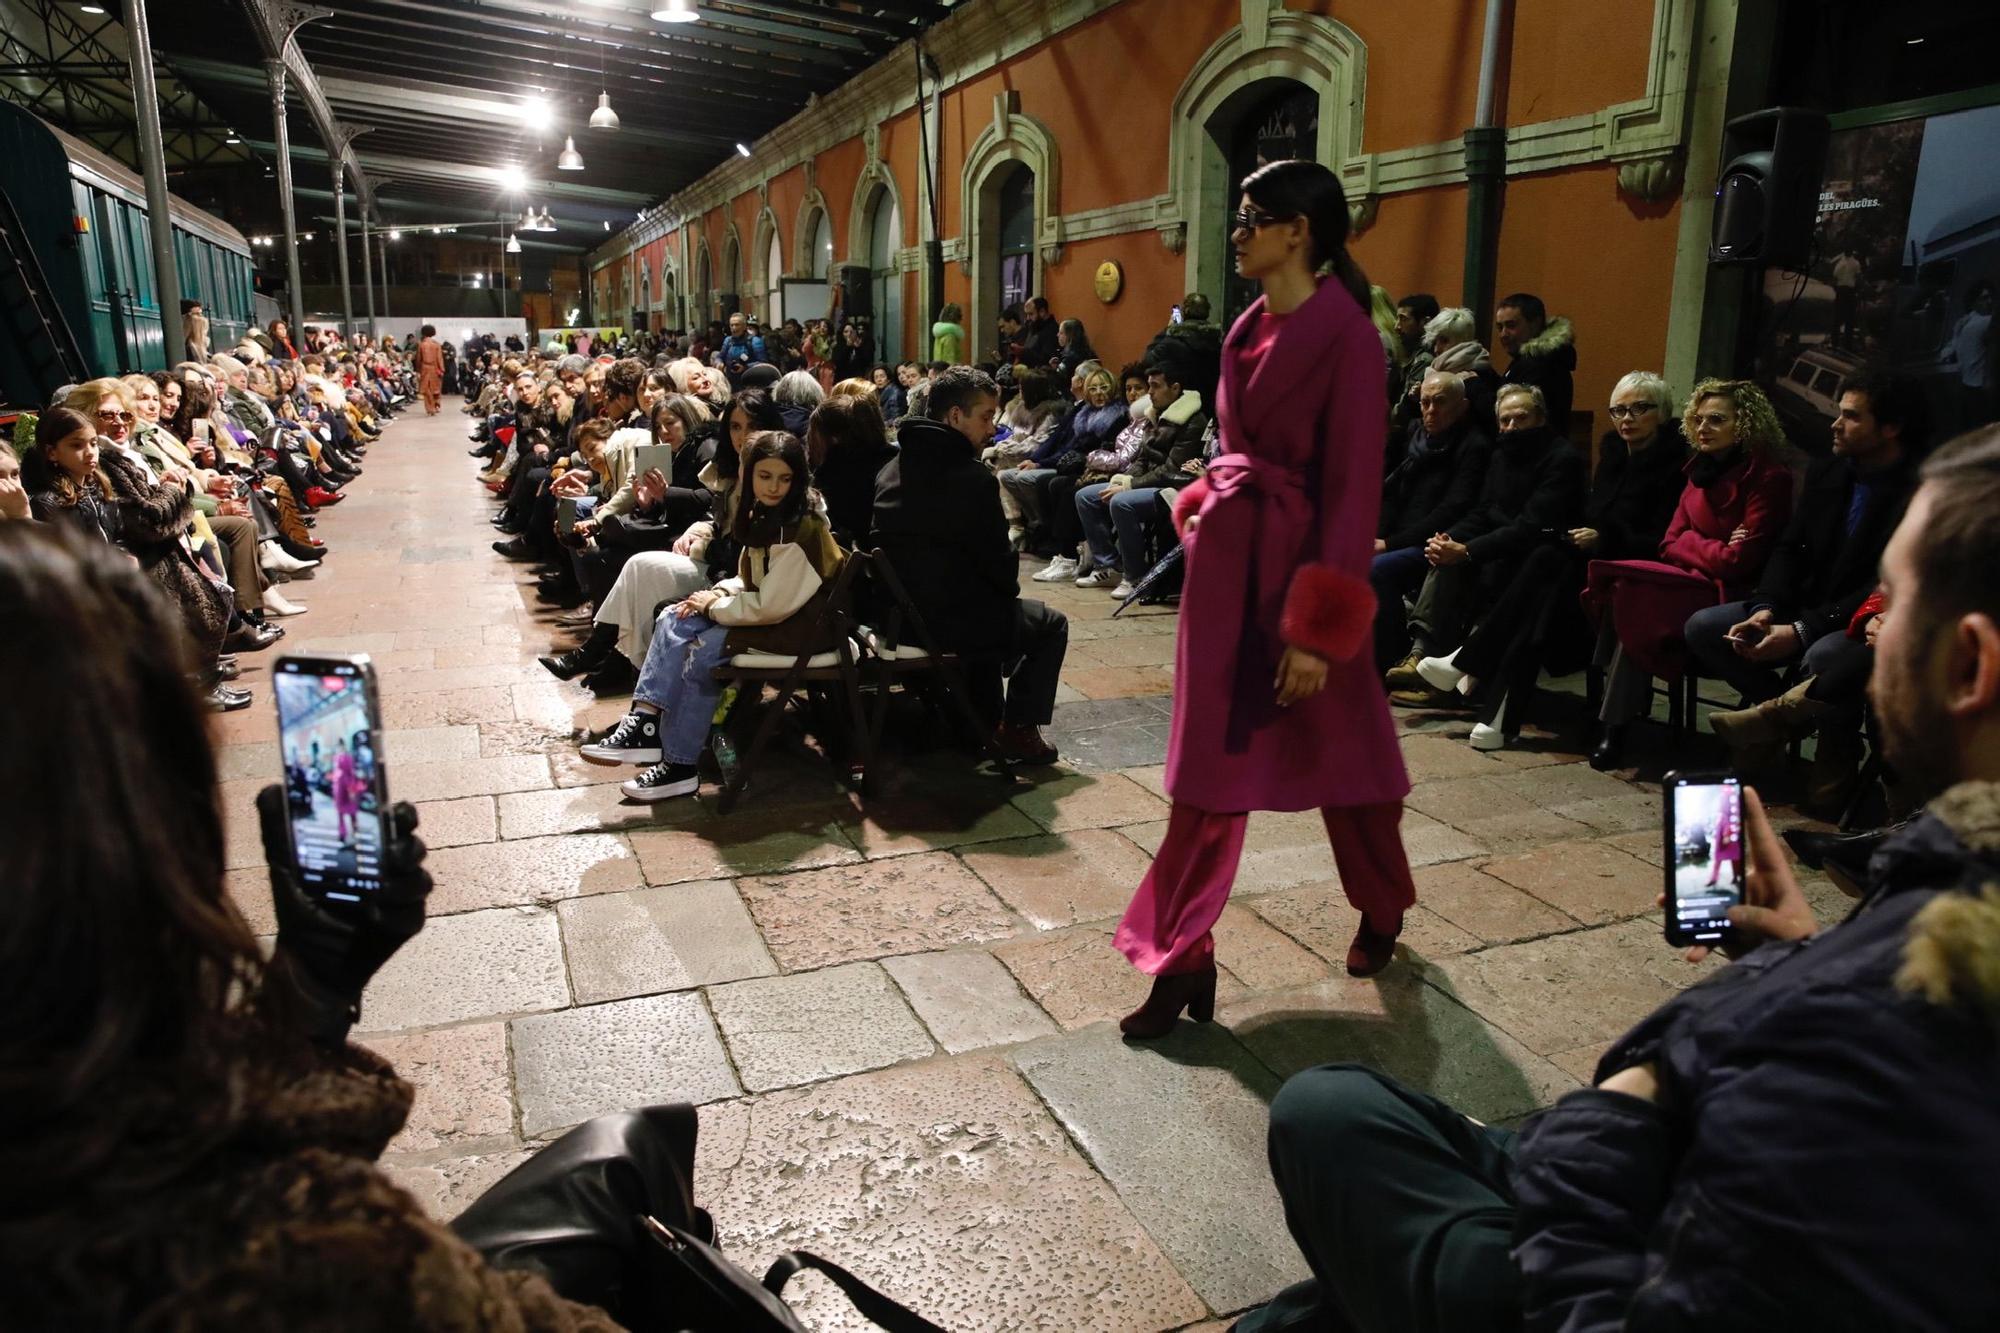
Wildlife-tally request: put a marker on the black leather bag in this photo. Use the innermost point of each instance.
(606, 1215)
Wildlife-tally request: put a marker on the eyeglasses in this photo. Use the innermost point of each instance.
(1622, 411)
(1249, 219)
(115, 416)
(1715, 420)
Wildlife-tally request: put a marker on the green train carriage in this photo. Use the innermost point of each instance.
(83, 217)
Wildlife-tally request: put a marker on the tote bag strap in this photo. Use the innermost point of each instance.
(882, 1311)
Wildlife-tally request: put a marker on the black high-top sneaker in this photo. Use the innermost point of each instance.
(635, 740)
(663, 781)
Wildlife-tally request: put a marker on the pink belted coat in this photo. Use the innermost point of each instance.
(1281, 556)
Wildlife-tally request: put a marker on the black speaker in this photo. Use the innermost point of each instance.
(1767, 197)
(857, 293)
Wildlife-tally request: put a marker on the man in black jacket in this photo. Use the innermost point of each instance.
(1533, 493)
(1541, 351)
(1807, 1139)
(1823, 568)
(1443, 466)
(938, 520)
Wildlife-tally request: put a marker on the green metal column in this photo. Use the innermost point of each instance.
(1486, 180)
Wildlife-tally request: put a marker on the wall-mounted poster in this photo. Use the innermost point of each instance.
(1903, 275)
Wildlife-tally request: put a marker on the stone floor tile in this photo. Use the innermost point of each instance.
(1631, 811)
(1648, 845)
(1580, 1062)
(950, 1187)
(455, 823)
(967, 999)
(1088, 800)
(1506, 834)
(246, 726)
(443, 708)
(250, 889)
(1456, 801)
(1261, 957)
(1561, 786)
(529, 870)
(906, 904)
(577, 1063)
(798, 1029)
(477, 965)
(1064, 878)
(1121, 682)
(698, 843)
(1398, 1024)
(426, 745)
(1319, 917)
(660, 939)
(1491, 909)
(446, 1188)
(1136, 650)
(1564, 991)
(450, 779)
(1429, 757)
(1079, 979)
(1590, 881)
(917, 823)
(534, 814)
(1153, 777)
(1427, 841)
(1178, 1128)
(464, 1095)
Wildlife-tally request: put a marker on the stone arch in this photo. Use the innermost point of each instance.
(645, 302)
(765, 232)
(1011, 137)
(703, 293)
(874, 181)
(732, 262)
(811, 209)
(1271, 45)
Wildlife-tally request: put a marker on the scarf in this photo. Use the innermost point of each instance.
(1707, 469)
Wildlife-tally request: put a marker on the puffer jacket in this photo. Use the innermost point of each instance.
(1824, 1153)
(1177, 440)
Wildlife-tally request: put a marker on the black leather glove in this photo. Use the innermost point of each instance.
(329, 956)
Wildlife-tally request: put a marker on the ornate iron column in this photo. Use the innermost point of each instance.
(274, 71)
(152, 160)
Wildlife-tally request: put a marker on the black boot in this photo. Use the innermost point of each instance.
(590, 655)
(1609, 747)
(617, 676)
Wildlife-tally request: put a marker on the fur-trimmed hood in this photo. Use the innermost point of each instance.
(1952, 956)
(1555, 334)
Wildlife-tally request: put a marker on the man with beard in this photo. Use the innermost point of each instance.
(1808, 1139)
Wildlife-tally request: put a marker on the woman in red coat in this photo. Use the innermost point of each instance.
(1277, 705)
(1736, 501)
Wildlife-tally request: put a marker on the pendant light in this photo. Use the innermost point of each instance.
(527, 220)
(676, 11)
(569, 159)
(545, 222)
(513, 245)
(604, 118)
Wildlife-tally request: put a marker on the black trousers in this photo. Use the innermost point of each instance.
(1065, 524)
(1403, 1208)
(1507, 649)
(1029, 675)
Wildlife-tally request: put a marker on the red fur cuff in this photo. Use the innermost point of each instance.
(1327, 612)
(1188, 503)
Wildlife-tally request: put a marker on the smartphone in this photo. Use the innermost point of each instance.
(336, 793)
(1705, 863)
(566, 515)
(1174, 315)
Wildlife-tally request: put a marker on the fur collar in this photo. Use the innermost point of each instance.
(1181, 410)
(1555, 334)
(1952, 956)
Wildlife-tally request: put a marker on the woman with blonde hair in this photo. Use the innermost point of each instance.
(1735, 503)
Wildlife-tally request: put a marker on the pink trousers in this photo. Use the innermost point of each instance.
(1166, 929)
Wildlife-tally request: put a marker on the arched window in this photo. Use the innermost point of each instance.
(885, 235)
(704, 286)
(732, 269)
(822, 247)
(1270, 121)
(774, 272)
(1015, 219)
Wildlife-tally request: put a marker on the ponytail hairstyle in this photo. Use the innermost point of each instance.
(1300, 189)
(755, 524)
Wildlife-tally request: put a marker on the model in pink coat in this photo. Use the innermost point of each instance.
(1276, 702)
(346, 793)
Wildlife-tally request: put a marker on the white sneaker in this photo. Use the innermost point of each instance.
(1440, 674)
(1488, 738)
(1124, 590)
(1104, 576)
(276, 605)
(1058, 569)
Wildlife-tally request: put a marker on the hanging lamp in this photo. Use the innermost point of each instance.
(513, 245)
(569, 159)
(676, 11)
(604, 118)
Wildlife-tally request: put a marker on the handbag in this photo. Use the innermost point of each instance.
(606, 1215)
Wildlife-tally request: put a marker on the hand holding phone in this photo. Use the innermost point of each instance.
(1728, 884)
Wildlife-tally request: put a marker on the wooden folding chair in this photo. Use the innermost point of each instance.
(899, 645)
(836, 666)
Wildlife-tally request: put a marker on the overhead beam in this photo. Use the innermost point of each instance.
(649, 36)
(473, 174)
(274, 22)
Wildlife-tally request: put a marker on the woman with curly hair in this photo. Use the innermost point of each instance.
(1737, 498)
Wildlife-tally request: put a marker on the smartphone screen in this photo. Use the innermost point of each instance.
(328, 728)
(1174, 315)
(1704, 860)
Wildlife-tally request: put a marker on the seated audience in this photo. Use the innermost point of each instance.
(772, 604)
(1534, 487)
(1806, 1139)
(1453, 339)
(1092, 422)
(14, 503)
(798, 394)
(847, 444)
(1088, 457)
(1541, 351)
(1442, 469)
(938, 521)
(1821, 571)
(1536, 622)
(1122, 518)
(1730, 513)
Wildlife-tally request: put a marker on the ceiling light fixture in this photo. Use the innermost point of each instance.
(547, 223)
(607, 224)
(91, 9)
(537, 114)
(677, 11)
(513, 245)
(604, 118)
(395, 235)
(569, 159)
(512, 179)
(744, 149)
